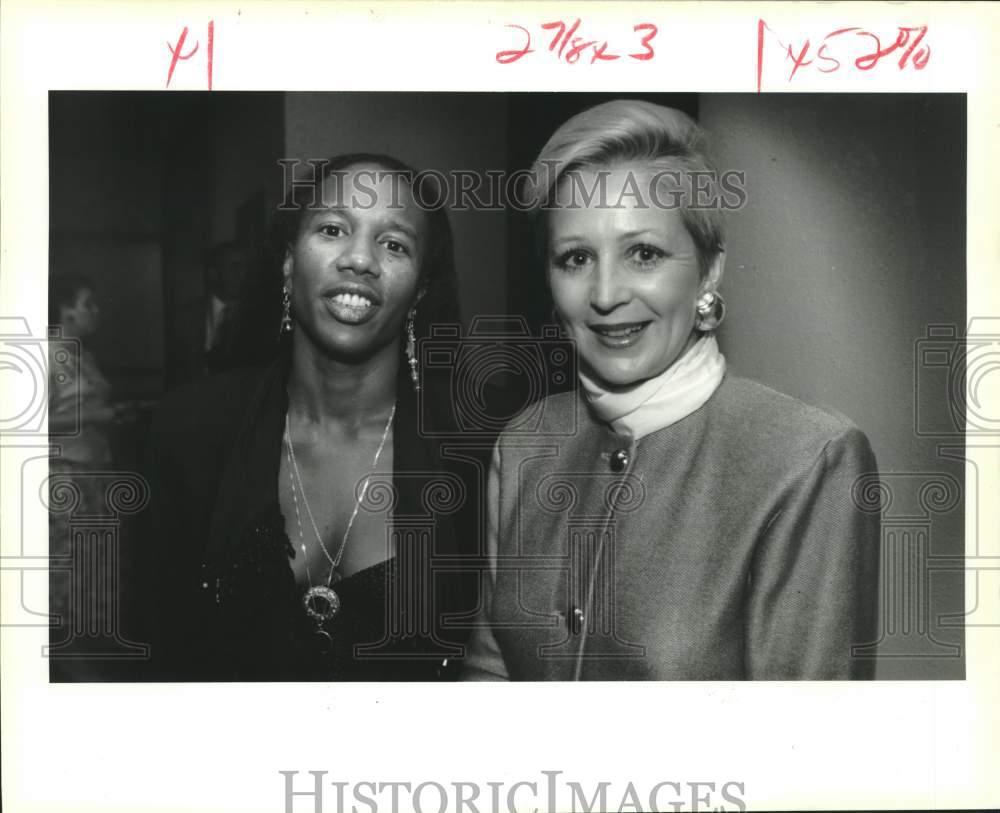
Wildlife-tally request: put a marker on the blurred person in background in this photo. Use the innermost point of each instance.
(225, 281)
(81, 419)
(79, 394)
(208, 329)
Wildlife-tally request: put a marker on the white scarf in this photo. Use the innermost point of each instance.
(661, 401)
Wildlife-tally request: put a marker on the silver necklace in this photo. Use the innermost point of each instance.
(321, 602)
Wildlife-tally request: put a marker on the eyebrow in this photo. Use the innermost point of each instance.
(578, 238)
(570, 238)
(405, 228)
(321, 211)
(398, 225)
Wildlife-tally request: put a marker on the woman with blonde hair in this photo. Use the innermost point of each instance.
(669, 520)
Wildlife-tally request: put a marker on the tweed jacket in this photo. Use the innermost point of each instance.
(734, 544)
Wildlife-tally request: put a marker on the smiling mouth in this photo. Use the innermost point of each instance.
(617, 336)
(351, 309)
(352, 300)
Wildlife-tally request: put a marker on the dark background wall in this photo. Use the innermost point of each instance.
(141, 185)
(852, 244)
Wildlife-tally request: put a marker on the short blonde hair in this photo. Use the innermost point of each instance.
(628, 130)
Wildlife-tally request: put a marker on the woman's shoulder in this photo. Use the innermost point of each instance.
(742, 413)
(556, 415)
(761, 402)
(771, 421)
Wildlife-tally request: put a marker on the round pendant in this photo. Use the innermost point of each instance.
(321, 603)
(324, 643)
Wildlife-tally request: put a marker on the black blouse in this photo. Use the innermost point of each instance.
(259, 595)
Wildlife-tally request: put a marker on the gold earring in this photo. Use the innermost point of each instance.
(711, 310)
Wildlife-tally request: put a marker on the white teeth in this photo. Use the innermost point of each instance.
(620, 332)
(353, 300)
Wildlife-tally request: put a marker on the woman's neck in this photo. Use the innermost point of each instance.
(325, 390)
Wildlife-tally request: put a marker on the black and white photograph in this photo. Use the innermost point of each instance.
(402, 400)
(521, 386)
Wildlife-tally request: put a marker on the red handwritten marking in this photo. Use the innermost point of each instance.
(760, 49)
(506, 57)
(919, 59)
(211, 50)
(821, 53)
(177, 55)
(800, 60)
(653, 30)
(599, 53)
(563, 36)
(868, 61)
(569, 48)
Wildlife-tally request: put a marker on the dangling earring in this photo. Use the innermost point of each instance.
(287, 326)
(711, 310)
(411, 349)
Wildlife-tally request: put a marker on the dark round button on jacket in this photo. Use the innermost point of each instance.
(619, 460)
